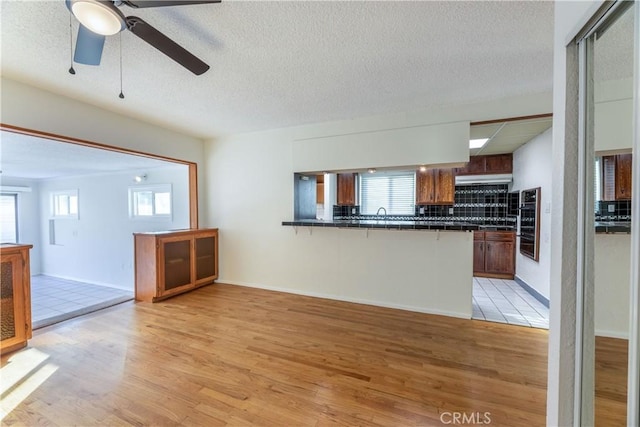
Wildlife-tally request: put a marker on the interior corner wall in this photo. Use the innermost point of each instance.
(28, 218)
(532, 167)
(29, 107)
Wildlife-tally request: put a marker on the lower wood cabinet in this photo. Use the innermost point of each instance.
(15, 297)
(172, 262)
(494, 254)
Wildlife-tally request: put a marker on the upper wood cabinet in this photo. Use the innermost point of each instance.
(484, 165)
(320, 189)
(346, 189)
(435, 187)
(15, 285)
(616, 177)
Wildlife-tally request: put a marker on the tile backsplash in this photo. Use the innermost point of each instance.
(487, 204)
(619, 210)
(481, 204)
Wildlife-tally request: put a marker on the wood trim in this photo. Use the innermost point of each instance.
(193, 167)
(193, 195)
(512, 119)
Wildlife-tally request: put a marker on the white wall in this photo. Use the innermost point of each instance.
(407, 147)
(532, 168)
(32, 108)
(613, 117)
(98, 246)
(251, 182)
(250, 178)
(612, 264)
(28, 218)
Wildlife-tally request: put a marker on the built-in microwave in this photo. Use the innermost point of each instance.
(530, 223)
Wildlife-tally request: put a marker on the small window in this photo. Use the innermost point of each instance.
(8, 218)
(394, 191)
(64, 204)
(150, 201)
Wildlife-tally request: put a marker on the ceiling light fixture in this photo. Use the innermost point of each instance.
(99, 16)
(140, 178)
(372, 170)
(423, 168)
(477, 143)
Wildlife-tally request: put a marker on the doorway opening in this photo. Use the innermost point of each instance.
(78, 203)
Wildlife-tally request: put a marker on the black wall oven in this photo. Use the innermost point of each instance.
(530, 223)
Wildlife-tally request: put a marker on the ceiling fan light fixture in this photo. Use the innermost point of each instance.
(100, 17)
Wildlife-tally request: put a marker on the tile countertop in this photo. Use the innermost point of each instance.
(613, 227)
(396, 225)
(601, 227)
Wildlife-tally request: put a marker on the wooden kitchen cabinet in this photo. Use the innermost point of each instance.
(499, 163)
(320, 189)
(346, 189)
(487, 165)
(494, 254)
(616, 177)
(478, 252)
(15, 297)
(172, 262)
(435, 187)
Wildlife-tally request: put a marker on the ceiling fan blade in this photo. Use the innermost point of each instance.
(159, 3)
(165, 45)
(88, 47)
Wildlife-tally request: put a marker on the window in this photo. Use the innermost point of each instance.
(8, 218)
(64, 204)
(394, 191)
(150, 201)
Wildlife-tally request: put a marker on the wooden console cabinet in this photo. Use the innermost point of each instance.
(494, 254)
(172, 262)
(15, 296)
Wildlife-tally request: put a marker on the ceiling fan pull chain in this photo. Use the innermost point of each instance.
(121, 96)
(71, 70)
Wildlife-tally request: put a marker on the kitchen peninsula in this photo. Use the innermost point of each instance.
(428, 271)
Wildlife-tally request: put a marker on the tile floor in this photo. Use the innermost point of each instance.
(54, 300)
(505, 301)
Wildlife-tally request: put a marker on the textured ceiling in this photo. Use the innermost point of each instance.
(279, 64)
(32, 157)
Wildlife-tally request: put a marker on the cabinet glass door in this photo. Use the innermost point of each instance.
(177, 264)
(205, 257)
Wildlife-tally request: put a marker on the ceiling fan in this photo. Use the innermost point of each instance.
(101, 18)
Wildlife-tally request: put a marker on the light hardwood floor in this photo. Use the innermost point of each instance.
(228, 355)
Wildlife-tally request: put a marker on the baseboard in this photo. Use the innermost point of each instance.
(347, 299)
(537, 295)
(90, 282)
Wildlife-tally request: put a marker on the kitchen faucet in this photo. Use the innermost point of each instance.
(381, 208)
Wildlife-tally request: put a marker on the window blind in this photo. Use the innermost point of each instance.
(394, 191)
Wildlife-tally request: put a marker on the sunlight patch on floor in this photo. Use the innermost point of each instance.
(22, 374)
